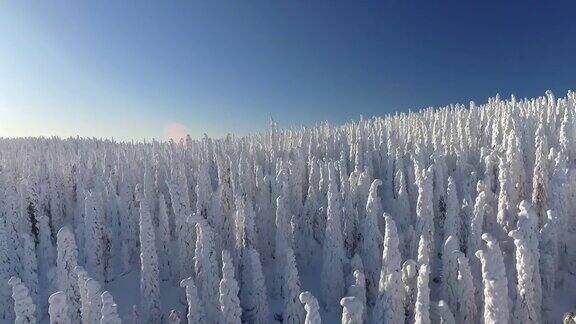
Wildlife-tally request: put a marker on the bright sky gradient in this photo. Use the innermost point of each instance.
(143, 69)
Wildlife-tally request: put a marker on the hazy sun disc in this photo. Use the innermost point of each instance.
(175, 132)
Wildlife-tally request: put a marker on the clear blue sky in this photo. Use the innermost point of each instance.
(127, 69)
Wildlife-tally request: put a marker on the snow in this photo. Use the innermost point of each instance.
(459, 213)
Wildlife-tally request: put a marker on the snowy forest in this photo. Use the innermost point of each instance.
(458, 214)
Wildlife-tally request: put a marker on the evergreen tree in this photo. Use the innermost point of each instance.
(150, 272)
(94, 235)
(66, 264)
(352, 310)
(370, 243)
(496, 308)
(389, 307)
(24, 307)
(527, 308)
(409, 279)
(206, 269)
(332, 275)
(195, 310)
(164, 240)
(312, 308)
(109, 310)
(229, 301)
(465, 294)
(293, 310)
(58, 309)
(254, 299)
(450, 272)
(422, 305)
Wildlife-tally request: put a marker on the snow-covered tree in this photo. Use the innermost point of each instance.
(371, 241)
(253, 298)
(195, 310)
(293, 310)
(445, 315)
(409, 279)
(332, 275)
(66, 273)
(452, 220)
(150, 272)
(229, 301)
(174, 317)
(389, 306)
(94, 235)
(6, 271)
(422, 305)
(312, 308)
(109, 310)
(352, 310)
(58, 309)
(164, 240)
(29, 270)
(24, 307)
(450, 272)
(496, 309)
(358, 289)
(527, 308)
(548, 261)
(206, 269)
(466, 309)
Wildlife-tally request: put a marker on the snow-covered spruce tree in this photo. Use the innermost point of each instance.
(358, 289)
(527, 308)
(66, 274)
(309, 227)
(424, 251)
(58, 309)
(174, 317)
(24, 307)
(109, 310)
(128, 225)
(6, 271)
(94, 235)
(389, 306)
(370, 243)
(206, 269)
(409, 279)
(293, 310)
(422, 305)
(540, 177)
(229, 301)
(424, 206)
(29, 270)
(253, 298)
(150, 272)
(476, 229)
(47, 257)
(466, 309)
(496, 309)
(183, 231)
(450, 272)
(282, 242)
(445, 315)
(452, 220)
(349, 214)
(312, 308)
(332, 275)
(164, 240)
(548, 262)
(352, 310)
(90, 292)
(195, 310)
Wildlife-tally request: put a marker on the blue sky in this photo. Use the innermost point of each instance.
(127, 69)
